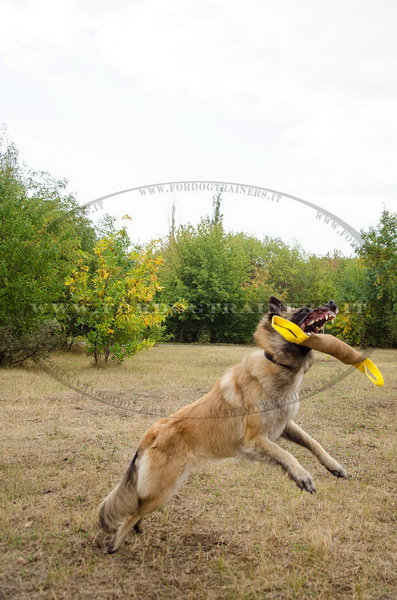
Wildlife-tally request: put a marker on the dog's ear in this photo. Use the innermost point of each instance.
(276, 307)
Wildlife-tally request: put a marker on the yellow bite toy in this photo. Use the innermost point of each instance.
(329, 344)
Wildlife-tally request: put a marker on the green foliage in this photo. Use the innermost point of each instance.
(42, 230)
(16, 348)
(114, 298)
(379, 254)
(284, 265)
(227, 279)
(113, 294)
(216, 208)
(350, 297)
(206, 267)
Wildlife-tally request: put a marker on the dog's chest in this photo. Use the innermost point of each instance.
(279, 408)
(275, 426)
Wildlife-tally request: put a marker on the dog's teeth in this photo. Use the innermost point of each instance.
(316, 325)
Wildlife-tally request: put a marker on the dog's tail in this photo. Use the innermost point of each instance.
(122, 500)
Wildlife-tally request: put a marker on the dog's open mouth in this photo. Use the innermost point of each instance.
(316, 320)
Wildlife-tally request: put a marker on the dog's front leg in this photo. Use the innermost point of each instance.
(296, 434)
(260, 448)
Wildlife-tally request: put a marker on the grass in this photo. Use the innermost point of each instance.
(236, 530)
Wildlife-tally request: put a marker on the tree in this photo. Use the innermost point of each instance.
(115, 298)
(227, 279)
(379, 255)
(211, 270)
(42, 229)
(217, 217)
(285, 268)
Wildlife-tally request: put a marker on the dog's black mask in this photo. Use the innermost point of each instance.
(309, 320)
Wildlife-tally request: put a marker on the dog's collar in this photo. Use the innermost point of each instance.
(270, 357)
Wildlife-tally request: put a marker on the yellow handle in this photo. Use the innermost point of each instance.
(291, 332)
(371, 371)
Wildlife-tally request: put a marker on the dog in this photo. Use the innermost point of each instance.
(252, 405)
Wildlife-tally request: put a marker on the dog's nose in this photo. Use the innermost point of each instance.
(332, 305)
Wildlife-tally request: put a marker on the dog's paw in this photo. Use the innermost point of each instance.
(110, 549)
(339, 471)
(305, 482)
(336, 469)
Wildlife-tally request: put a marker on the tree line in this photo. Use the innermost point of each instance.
(63, 279)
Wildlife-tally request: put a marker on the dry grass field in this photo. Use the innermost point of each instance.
(236, 530)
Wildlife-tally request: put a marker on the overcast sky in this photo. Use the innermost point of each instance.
(297, 96)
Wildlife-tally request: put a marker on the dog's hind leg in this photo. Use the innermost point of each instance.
(296, 434)
(122, 533)
(159, 478)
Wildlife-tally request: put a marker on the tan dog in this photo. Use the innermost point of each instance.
(247, 410)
